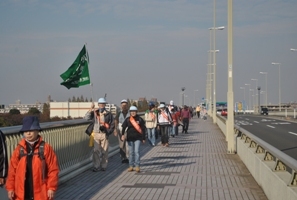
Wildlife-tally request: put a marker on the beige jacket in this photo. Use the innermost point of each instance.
(150, 122)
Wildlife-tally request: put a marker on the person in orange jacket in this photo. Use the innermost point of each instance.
(33, 170)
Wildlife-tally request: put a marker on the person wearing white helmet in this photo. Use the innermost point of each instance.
(135, 126)
(119, 119)
(103, 126)
(164, 121)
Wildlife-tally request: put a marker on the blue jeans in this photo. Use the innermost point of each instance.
(171, 130)
(134, 157)
(151, 135)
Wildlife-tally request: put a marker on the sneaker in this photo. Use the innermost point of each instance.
(130, 169)
(125, 161)
(137, 169)
(103, 169)
(166, 144)
(95, 169)
(154, 145)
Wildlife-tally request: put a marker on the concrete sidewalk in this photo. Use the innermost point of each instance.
(194, 166)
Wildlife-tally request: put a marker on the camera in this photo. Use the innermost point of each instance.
(102, 128)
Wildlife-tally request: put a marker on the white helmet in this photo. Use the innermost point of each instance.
(133, 108)
(124, 101)
(161, 106)
(171, 103)
(102, 100)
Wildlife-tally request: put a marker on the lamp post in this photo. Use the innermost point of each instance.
(195, 97)
(249, 94)
(265, 73)
(279, 84)
(293, 49)
(243, 88)
(214, 28)
(253, 98)
(183, 95)
(254, 79)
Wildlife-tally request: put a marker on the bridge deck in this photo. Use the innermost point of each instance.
(194, 166)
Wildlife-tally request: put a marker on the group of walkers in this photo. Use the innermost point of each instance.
(131, 130)
(33, 170)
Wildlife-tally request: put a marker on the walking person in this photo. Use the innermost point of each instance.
(103, 126)
(33, 170)
(198, 109)
(151, 123)
(3, 164)
(119, 119)
(135, 135)
(164, 121)
(185, 115)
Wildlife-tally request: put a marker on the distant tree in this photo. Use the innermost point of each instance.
(33, 111)
(86, 100)
(14, 111)
(69, 100)
(82, 98)
(91, 99)
(77, 99)
(45, 117)
(144, 105)
(73, 99)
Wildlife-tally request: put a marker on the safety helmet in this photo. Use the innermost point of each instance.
(161, 106)
(102, 100)
(133, 108)
(124, 101)
(171, 103)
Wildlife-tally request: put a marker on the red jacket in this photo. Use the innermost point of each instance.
(17, 172)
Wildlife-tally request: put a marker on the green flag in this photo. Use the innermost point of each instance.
(78, 73)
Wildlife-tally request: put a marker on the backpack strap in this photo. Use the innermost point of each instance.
(40, 155)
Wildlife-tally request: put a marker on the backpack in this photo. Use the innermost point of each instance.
(40, 154)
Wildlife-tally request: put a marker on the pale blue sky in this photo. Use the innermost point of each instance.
(140, 48)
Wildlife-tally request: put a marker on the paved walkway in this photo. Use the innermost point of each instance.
(194, 166)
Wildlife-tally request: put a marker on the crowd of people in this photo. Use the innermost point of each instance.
(33, 169)
(159, 121)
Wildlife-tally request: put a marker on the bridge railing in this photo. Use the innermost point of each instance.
(69, 141)
(274, 171)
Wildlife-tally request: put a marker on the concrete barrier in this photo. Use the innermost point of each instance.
(273, 170)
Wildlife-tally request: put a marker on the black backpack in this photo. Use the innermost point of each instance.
(40, 154)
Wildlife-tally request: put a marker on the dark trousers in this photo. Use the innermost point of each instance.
(164, 134)
(198, 114)
(186, 124)
(176, 129)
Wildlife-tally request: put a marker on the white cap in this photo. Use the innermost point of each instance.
(171, 103)
(161, 106)
(102, 100)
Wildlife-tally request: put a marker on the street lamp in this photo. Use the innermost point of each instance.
(195, 97)
(243, 88)
(253, 98)
(279, 84)
(214, 51)
(183, 95)
(249, 94)
(253, 79)
(293, 49)
(265, 73)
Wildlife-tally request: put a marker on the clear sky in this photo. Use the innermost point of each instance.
(144, 48)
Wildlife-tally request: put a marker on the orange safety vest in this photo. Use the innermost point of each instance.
(135, 125)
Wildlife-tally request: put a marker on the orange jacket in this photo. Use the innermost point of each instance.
(17, 172)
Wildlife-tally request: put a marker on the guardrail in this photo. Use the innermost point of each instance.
(273, 170)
